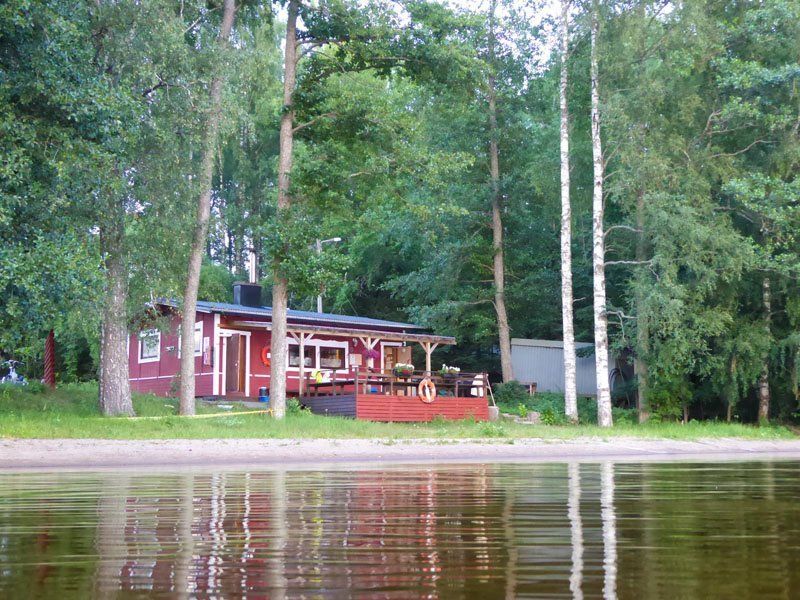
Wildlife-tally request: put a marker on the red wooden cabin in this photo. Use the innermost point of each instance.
(346, 366)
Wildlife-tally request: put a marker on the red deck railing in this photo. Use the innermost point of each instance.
(387, 383)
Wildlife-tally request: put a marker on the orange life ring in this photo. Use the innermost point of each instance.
(265, 355)
(427, 391)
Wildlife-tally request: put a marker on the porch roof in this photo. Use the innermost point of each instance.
(395, 336)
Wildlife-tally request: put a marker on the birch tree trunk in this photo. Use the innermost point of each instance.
(763, 380)
(604, 418)
(570, 386)
(642, 329)
(187, 382)
(114, 384)
(278, 345)
(498, 261)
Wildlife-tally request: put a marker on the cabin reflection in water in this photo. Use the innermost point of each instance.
(486, 531)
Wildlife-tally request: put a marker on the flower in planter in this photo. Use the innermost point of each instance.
(403, 370)
(447, 371)
(371, 353)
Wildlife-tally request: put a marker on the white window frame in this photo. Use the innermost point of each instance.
(198, 350)
(147, 333)
(317, 344)
(343, 346)
(308, 345)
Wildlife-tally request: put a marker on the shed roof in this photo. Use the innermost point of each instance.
(546, 343)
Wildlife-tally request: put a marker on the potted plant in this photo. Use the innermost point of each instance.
(449, 372)
(370, 353)
(403, 370)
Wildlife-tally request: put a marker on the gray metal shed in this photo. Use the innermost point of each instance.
(542, 362)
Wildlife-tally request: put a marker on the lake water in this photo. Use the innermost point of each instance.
(653, 530)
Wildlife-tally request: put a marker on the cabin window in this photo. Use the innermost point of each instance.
(198, 339)
(310, 356)
(149, 345)
(331, 358)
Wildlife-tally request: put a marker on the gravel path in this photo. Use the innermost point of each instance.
(19, 454)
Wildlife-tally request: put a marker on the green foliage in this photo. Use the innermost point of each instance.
(511, 393)
(216, 283)
(100, 113)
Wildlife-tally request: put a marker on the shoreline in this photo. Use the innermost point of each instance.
(100, 454)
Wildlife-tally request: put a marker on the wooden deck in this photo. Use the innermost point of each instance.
(334, 406)
(382, 397)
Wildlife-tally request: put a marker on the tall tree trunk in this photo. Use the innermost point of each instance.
(570, 385)
(498, 262)
(49, 378)
(187, 387)
(642, 329)
(278, 346)
(794, 378)
(733, 392)
(604, 418)
(763, 380)
(114, 387)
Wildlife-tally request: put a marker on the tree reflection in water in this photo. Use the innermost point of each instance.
(576, 530)
(609, 530)
(487, 531)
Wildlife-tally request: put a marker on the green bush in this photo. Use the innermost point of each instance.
(551, 417)
(512, 393)
(293, 406)
(492, 429)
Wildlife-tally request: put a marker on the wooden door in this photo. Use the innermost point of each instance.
(389, 357)
(403, 354)
(396, 354)
(235, 364)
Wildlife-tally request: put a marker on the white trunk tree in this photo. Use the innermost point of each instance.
(642, 327)
(187, 387)
(763, 380)
(280, 285)
(570, 386)
(604, 418)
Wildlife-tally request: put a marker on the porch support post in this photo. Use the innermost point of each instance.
(428, 347)
(301, 383)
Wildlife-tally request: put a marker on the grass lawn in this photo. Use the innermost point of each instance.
(71, 412)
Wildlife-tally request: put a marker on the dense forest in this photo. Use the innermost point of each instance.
(467, 155)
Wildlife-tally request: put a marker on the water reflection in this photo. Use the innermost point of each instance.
(609, 530)
(487, 531)
(576, 531)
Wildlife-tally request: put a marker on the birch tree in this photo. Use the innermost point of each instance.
(187, 379)
(570, 385)
(604, 418)
(763, 379)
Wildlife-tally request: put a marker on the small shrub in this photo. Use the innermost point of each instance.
(293, 407)
(492, 429)
(522, 410)
(551, 417)
(512, 393)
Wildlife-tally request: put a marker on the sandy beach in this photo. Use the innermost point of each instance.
(50, 454)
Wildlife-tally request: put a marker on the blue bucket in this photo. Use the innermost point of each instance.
(263, 395)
